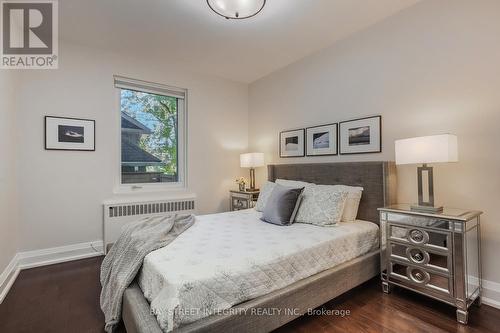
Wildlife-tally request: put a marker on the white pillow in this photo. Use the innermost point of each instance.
(322, 205)
(265, 193)
(352, 203)
(292, 183)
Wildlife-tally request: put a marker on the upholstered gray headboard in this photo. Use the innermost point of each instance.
(377, 178)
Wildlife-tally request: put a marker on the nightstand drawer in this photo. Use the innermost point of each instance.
(240, 203)
(421, 221)
(421, 279)
(242, 200)
(432, 239)
(426, 258)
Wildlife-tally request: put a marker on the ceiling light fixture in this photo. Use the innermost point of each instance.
(236, 9)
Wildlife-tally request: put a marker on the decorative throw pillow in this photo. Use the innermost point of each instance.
(265, 193)
(322, 205)
(282, 205)
(293, 183)
(352, 202)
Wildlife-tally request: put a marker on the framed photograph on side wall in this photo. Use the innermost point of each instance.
(361, 136)
(321, 140)
(69, 134)
(292, 143)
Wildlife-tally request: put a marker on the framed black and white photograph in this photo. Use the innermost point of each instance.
(69, 134)
(292, 143)
(321, 140)
(361, 136)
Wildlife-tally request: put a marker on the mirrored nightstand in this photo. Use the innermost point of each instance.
(435, 254)
(242, 199)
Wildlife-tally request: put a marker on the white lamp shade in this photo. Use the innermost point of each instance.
(252, 160)
(427, 149)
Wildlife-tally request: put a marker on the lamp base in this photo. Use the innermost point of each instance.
(426, 206)
(427, 209)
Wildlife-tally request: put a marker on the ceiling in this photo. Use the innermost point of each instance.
(188, 33)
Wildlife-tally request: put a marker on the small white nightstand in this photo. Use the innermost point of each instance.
(435, 254)
(242, 199)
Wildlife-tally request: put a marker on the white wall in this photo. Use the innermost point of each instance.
(8, 196)
(433, 68)
(62, 191)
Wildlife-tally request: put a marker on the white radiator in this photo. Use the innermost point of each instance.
(117, 214)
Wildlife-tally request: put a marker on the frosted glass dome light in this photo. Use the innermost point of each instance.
(236, 9)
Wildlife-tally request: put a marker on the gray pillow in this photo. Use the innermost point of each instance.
(282, 205)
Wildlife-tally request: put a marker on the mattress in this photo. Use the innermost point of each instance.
(229, 258)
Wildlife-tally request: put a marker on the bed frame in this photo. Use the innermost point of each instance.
(379, 182)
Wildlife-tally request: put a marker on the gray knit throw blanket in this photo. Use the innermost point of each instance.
(123, 261)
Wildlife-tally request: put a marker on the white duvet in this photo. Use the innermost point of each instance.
(228, 258)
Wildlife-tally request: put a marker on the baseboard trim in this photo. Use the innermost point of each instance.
(8, 277)
(491, 302)
(491, 293)
(44, 257)
(55, 255)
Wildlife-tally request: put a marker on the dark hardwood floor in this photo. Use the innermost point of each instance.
(65, 298)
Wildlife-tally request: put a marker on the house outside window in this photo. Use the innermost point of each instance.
(153, 128)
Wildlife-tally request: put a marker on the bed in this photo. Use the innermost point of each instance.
(262, 280)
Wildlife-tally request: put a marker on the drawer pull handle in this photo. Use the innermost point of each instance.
(418, 236)
(418, 256)
(418, 276)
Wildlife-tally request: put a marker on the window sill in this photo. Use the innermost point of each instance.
(149, 188)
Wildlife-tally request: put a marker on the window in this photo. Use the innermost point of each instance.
(152, 119)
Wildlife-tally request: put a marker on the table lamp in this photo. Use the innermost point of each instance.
(252, 161)
(424, 150)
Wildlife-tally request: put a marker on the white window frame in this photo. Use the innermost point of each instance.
(121, 82)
